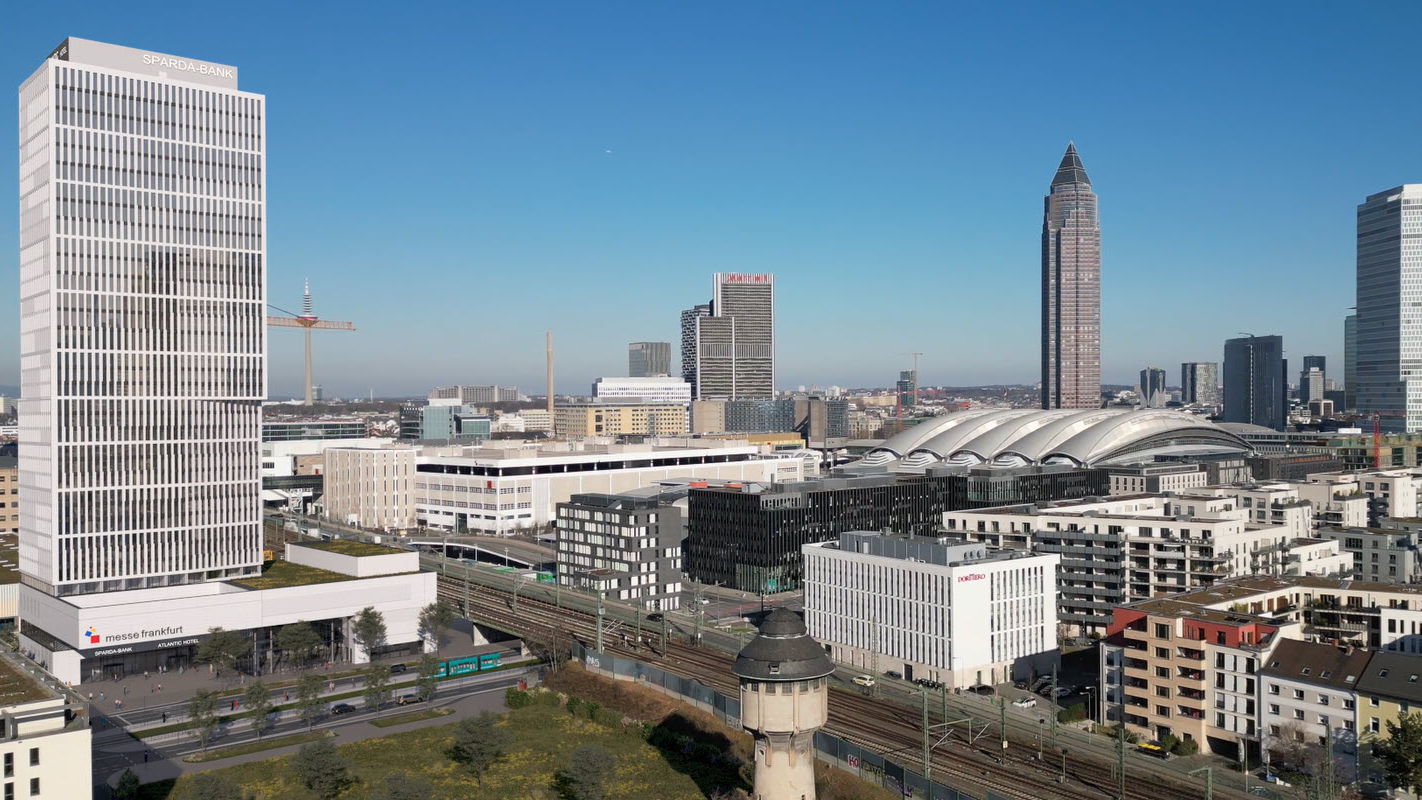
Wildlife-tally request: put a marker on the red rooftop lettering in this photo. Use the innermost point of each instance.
(747, 279)
(976, 576)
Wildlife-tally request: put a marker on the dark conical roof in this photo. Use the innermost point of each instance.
(1070, 170)
(782, 651)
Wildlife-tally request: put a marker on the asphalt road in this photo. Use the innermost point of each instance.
(114, 750)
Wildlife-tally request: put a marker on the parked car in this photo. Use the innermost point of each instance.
(894, 674)
(1063, 691)
(407, 699)
(1025, 702)
(863, 680)
(1019, 685)
(654, 617)
(928, 683)
(342, 708)
(983, 689)
(396, 669)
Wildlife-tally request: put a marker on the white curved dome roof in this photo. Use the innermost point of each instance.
(1022, 437)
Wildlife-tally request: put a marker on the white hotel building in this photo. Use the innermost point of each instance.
(142, 189)
(951, 612)
(643, 390)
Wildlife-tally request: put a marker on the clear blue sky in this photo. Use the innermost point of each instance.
(456, 178)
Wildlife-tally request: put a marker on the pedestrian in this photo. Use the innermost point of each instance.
(125, 691)
(145, 756)
(160, 688)
(91, 697)
(119, 703)
(285, 697)
(101, 697)
(145, 674)
(165, 717)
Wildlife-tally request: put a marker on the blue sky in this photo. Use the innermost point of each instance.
(457, 178)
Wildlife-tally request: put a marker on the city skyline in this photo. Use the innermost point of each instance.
(781, 184)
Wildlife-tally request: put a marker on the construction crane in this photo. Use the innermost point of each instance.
(308, 322)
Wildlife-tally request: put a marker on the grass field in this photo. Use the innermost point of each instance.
(543, 737)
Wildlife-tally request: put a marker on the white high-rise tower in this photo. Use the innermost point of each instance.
(1388, 331)
(142, 309)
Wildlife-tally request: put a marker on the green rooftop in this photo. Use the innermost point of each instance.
(17, 687)
(285, 574)
(350, 547)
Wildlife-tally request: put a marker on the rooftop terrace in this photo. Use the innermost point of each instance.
(285, 574)
(351, 547)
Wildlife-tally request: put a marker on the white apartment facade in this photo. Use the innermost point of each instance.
(949, 612)
(643, 390)
(502, 491)
(45, 742)
(371, 487)
(1308, 694)
(1133, 547)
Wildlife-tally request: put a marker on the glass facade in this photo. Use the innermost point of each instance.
(1256, 382)
(1071, 290)
(1388, 331)
(142, 316)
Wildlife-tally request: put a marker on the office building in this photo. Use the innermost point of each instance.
(472, 395)
(1319, 363)
(370, 487)
(9, 501)
(1071, 290)
(620, 419)
(7, 405)
(733, 343)
(907, 388)
(1256, 382)
(286, 430)
(1311, 386)
(1350, 362)
(1153, 393)
(748, 537)
(625, 546)
(1308, 694)
(648, 359)
(642, 390)
(444, 423)
(47, 745)
(955, 613)
(689, 360)
(1157, 478)
(1200, 383)
(143, 287)
(515, 487)
(1389, 303)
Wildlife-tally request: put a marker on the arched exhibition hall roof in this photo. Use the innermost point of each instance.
(1024, 436)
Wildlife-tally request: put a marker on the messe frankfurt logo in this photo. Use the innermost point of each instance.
(92, 634)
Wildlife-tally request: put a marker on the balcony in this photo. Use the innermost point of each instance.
(1190, 713)
(1190, 674)
(1136, 702)
(1193, 695)
(1190, 654)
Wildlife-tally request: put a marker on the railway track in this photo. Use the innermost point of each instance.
(883, 727)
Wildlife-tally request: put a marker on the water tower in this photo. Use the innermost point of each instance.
(784, 700)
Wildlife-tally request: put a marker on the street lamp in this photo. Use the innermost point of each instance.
(1091, 698)
(1064, 752)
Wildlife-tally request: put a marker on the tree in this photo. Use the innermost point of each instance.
(1401, 752)
(587, 773)
(206, 786)
(399, 786)
(321, 768)
(478, 743)
(435, 618)
(298, 640)
(258, 701)
(127, 788)
(202, 710)
(377, 686)
(308, 698)
(222, 649)
(426, 673)
(368, 629)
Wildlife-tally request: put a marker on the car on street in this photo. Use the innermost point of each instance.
(1063, 691)
(983, 689)
(656, 617)
(1025, 702)
(928, 683)
(396, 669)
(407, 699)
(342, 708)
(894, 674)
(863, 680)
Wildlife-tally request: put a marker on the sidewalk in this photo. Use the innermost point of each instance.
(347, 731)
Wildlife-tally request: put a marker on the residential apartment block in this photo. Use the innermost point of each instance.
(620, 419)
(1133, 547)
(1308, 696)
(626, 546)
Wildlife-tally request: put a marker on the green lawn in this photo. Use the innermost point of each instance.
(257, 746)
(285, 574)
(351, 547)
(543, 737)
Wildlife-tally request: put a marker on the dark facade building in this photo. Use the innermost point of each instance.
(822, 423)
(283, 430)
(907, 388)
(1256, 381)
(749, 537)
(1292, 467)
(648, 359)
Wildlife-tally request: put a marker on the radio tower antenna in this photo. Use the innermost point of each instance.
(307, 321)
